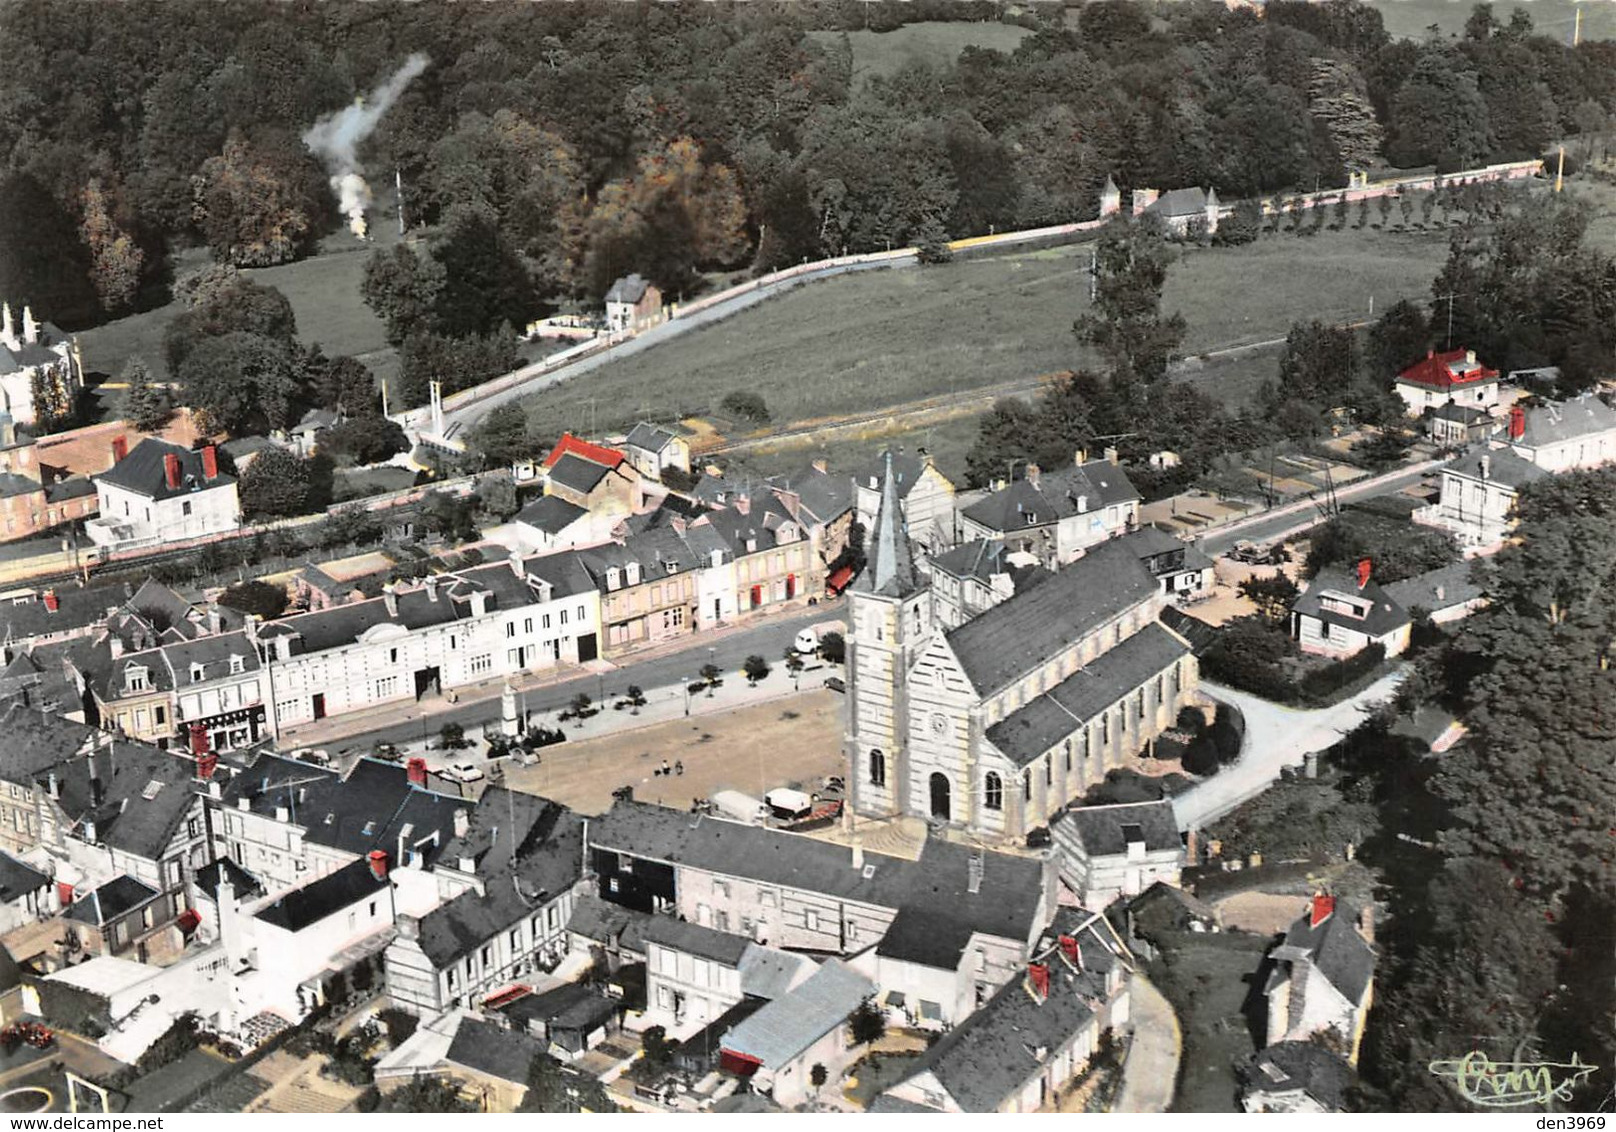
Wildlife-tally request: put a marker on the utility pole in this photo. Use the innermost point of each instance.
(1576, 29)
(1094, 272)
(1449, 297)
(1559, 173)
(398, 180)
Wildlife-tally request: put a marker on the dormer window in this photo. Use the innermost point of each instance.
(671, 567)
(238, 665)
(139, 679)
(614, 577)
(751, 545)
(718, 558)
(633, 573)
(198, 674)
(1334, 603)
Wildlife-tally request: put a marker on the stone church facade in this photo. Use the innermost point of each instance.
(997, 724)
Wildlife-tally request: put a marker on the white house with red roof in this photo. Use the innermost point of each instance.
(1453, 377)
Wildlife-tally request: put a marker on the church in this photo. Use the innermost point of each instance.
(997, 723)
(40, 370)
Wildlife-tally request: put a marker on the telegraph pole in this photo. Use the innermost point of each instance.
(398, 180)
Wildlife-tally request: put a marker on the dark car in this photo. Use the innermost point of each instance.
(836, 684)
(1038, 838)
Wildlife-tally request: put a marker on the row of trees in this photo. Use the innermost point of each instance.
(598, 139)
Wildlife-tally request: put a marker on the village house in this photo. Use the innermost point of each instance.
(1455, 425)
(633, 304)
(1296, 1077)
(648, 586)
(551, 523)
(1454, 377)
(506, 882)
(1104, 852)
(41, 371)
(1323, 978)
(1341, 614)
(653, 449)
(823, 504)
(925, 498)
(951, 926)
(26, 894)
(449, 630)
(693, 974)
(776, 1048)
(1186, 574)
(114, 918)
(571, 1018)
(1444, 594)
(1057, 515)
(1184, 212)
(1027, 1043)
(488, 1064)
(1478, 494)
(161, 492)
(996, 724)
(1563, 436)
(973, 578)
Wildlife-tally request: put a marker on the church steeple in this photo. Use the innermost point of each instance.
(890, 567)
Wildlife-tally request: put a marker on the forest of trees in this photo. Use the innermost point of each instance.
(569, 144)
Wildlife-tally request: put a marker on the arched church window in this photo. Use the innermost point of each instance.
(878, 768)
(993, 792)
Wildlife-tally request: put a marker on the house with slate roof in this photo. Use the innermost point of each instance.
(1056, 515)
(36, 361)
(162, 492)
(506, 882)
(487, 1062)
(925, 497)
(1478, 496)
(1300, 1077)
(653, 449)
(1322, 978)
(1034, 1036)
(1444, 594)
(26, 894)
(1561, 436)
(777, 1047)
(1453, 377)
(1186, 574)
(1340, 614)
(633, 304)
(971, 579)
(1104, 852)
(994, 725)
(1180, 210)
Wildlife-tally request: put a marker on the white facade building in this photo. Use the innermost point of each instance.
(161, 492)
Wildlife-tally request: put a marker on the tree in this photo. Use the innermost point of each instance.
(115, 258)
(253, 207)
(1440, 116)
(342, 384)
(1126, 324)
(222, 301)
(459, 363)
(833, 648)
(1272, 595)
(1399, 338)
(496, 495)
(485, 283)
(402, 288)
(451, 736)
(274, 485)
(580, 704)
(1242, 226)
(756, 668)
(424, 1094)
(710, 674)
(367, 439)
(503, 437)
(867, 1023)
(242, 383)
(262, 599)
(746, 405)
(146, 406)
(1339, 99)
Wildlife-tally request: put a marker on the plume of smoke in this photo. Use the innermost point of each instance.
(335, 138)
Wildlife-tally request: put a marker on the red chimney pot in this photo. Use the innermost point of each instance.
(1323, 908)
(210, 462)
(171, 470)
(1038, 975)
(199, 740)
(1068, 946)
(417, 771)
(1517, 422)
(120, 448)
(52, 602)
(206, 765)
(378, 863)
(1365, 568)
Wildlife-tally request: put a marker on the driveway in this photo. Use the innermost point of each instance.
(1151, 1071)
(1276, 737)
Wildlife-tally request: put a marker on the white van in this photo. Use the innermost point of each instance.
(789, 805)
(735, 805)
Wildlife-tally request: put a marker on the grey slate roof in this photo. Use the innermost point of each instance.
(1557, 421)
(1017, 636)
(577, 473)
(822, 496)
(608, 924)
(938, 880)
(1106, 831)
(979, 559)
(906, 467)
(787, 1026)
(650, 437)
(143, 472)
(1056, 495)
(1163, 553)
(927, 936)
(1335, 948)
(493, 1050)
(117, 897)
(568, 1006)
(1503, 466)
(551, 514)
(1463, 414)
(1045, 720)
(18, 880)
(26, 616)
(693, 939)
(628, 289)
(139, 796)
(890, 567)
(1180, 202)
(211, 876)
(1198, 633)
(1384, 616)
(1455, 582)
(1286, 1067)
(303, 907)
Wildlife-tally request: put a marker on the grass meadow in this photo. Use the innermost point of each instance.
(1409, 19)
(886, 53)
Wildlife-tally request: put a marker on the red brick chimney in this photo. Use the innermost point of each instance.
(378, 863)
(1068, 946)
(206, 765)
(1322, 908)
(416, 768)
(52, 602)
(1517, 422)
(210, 462)
(120, 448)
(1365, 568)
(1038, 976)
(171, 470)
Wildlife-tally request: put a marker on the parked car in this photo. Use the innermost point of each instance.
(462, 772)
(836, 683)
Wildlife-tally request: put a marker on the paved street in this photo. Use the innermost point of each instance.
(412, 722)
(1151, 1070)
(1275, 737)
(1302, 516)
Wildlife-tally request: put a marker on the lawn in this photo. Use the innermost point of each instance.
(947, 441)
(1209, 981)
(1408, 19)
(886, 53)
(873, 339)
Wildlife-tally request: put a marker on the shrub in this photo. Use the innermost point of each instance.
(747, 406)
(1202, 757)
(868, 1023)
(261, 598)
(756, 668)
(833, 647)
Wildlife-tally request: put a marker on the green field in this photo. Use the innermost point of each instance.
(880, 338)
(1408, 19)
(887, 52)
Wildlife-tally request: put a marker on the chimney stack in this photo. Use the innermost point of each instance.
(416, 769)
(821, 466)
(171, 470)
(1038, 976)
(1365, 568)
(30, 328)
(430, 584)
(1081, 457)
(378, 863)
(120, 448)
(8, 332)
(390, 599)
(1517, 422)
(1486, 466)
(54, 785)
(1111, 456)
(1068, 946)
(462, 822)
(516, 564)
(858, 853)
(210, 462)
(206, 765)
(1366, 923)
(1321, 909)
(1033, 472)
(52, 602)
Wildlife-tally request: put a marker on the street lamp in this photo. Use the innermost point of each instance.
(686, 685)
(712, 661)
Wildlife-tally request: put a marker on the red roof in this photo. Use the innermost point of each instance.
(1446, 370)
(838, 581)
(596, 453)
